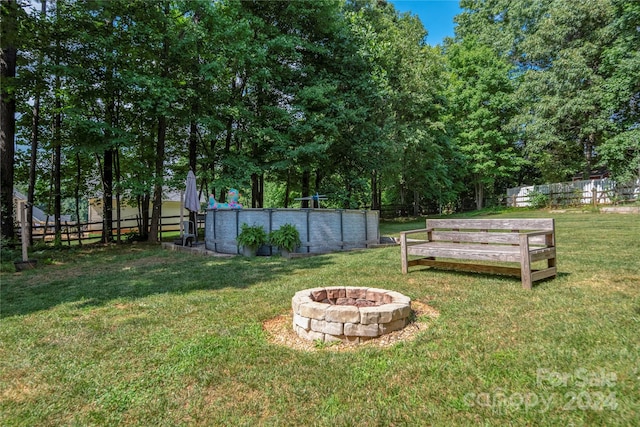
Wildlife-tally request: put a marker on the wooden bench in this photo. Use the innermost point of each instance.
(522, 241)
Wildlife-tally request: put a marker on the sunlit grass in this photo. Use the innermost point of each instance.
(134, 335)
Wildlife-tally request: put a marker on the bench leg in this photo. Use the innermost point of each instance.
(551, 262)
(404, 259)
(525, 262)
(525, 273)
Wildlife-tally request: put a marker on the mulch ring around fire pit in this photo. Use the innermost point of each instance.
(280, 331)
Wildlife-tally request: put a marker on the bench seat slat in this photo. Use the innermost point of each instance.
(493, 224)
(466, 251)
(507, 238)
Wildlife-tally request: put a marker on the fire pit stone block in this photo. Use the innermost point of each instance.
(348, 314)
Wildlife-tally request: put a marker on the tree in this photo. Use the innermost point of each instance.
(10, 12)
(564, 87)
(556, 52)
(620, 150)
(480, 93)
(411, 147)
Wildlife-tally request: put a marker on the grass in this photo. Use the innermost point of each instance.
(134, 335)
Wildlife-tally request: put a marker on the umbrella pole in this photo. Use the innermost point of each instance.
(181, 213)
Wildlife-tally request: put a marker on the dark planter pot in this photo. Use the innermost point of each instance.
(249, 251)
(285, 253)
(25, 265)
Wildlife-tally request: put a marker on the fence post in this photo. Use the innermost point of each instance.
(514, 202)
(594, 197)
(22, 209)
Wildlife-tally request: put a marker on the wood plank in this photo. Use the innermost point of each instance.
(542, 254)
(469, 251)
(494, 224)
(475, 268)
(543, 274)
(505, 238)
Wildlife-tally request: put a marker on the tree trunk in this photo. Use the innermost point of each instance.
(287, 189)
(35, 135)
(193, 145)
(143, 210)
(107, 197)
(35, 140)
(318, 184)
(588, 155)
(306, 187)
(77, 196)
(57, 172)
(257, 190)
(375, 202)
(479, 190)
(116, 153)
(7, 118)
(156, 213)
(193, 156)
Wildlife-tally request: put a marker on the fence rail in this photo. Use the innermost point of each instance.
(91, 232)
(587, 192)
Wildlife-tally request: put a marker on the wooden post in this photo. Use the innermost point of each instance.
(23, 230)
(525, 262)
(182, 231)
(403, 253)
(594, 197)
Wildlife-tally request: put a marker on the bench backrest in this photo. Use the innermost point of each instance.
(497, 231)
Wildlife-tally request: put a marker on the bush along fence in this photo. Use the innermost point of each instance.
(91, 232)
(586, 192)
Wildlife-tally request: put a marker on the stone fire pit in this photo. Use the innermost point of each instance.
(350, 314)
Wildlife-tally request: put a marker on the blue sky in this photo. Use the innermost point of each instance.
(436, 16)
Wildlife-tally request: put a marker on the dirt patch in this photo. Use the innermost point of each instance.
(280, 331)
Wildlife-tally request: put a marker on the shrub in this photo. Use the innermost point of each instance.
(286, 237)
(251, 236)
(538, 200)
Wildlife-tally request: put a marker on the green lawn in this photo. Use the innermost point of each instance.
(136, 335)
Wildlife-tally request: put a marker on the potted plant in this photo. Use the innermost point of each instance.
(251, 237)
(287, 238)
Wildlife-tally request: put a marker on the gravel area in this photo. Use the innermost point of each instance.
(280, 331)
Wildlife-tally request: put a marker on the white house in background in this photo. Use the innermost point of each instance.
(40, 218)
(129, 216)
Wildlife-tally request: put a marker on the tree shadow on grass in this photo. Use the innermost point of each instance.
(95, 280)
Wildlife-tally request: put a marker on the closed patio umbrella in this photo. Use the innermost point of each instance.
(192, 203)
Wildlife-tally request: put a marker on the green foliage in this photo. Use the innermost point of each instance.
(481, 107)
(343, 98)
(538, 200)
(621, 154)
(575, 67)
(9, 250)
(286, 237)
(252, 236)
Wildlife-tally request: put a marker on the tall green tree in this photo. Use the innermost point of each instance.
(556, 49)
(410, 78)
(564, 88)
(482, 106)
(10, 13)
(620, 151)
